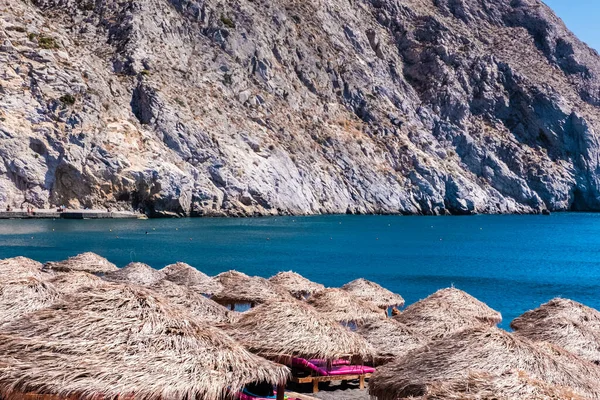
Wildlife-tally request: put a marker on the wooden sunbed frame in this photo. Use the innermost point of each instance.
(330, 378)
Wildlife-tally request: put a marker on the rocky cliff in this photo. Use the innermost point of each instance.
(252, 107)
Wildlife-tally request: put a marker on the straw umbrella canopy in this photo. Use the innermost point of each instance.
(231, 277)
(565, 323)
(185, 275)
(296, 284)
(11, 268)
(23, 288)
(280, 330)
(194, 302)
(506, 386)
(342, 306)
(239, 288)
(118, 342)
(390, 339)
(22, 294)
(86, 262)
(371, 291)
(447, 311)
(75, 281)
(482, 349)
(137, 274)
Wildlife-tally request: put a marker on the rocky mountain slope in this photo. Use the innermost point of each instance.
(250, 107)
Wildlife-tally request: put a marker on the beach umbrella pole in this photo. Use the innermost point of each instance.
(280, 392)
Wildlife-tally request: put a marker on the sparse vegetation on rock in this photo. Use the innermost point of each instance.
(46, 42)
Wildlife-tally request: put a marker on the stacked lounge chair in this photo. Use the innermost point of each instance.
(340, 370)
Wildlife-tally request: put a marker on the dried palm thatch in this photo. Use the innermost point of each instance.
(23, 288)
(565, 323)
(447, 311)
(117, 342)
(390, 339)
(86, 262)
(194, 302)
(137, 274)
(296, 284)
(342, 306)
(18, 267)
(24, 294)
(75, 281)
(486, 350)
(509, 385)
(280, 330)
(371, 291)
(185, 275)
(231, 277)
(239, 288)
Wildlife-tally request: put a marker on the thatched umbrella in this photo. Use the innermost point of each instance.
(280, 330)
(137, 274)
(11, 268)
(239, 288)
(23, 288)
(194, 302)
(344, 307)
(447, 311)
(565, 323)
(75, 281)
(371, 291)
(185, 275)
(482, 349)
(508, 385)
(23, 294)
(120, 342)
(296, 284)
(231, 277)
(390, 339)
(86, 262)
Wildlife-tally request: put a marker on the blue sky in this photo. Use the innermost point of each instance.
(581, 17)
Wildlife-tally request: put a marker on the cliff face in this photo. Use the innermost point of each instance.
(245, 107)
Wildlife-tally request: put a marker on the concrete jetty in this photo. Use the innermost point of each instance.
(70, 214)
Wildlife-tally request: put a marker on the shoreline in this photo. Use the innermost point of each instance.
(71, 214)
(99, 214)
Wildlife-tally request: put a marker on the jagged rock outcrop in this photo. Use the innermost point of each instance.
(250, 107)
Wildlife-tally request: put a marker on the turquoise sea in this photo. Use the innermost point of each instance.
(513, 263)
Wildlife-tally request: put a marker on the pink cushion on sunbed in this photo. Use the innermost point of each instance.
(319, 362)
(350, 370)
(302, 363)
(335, 370)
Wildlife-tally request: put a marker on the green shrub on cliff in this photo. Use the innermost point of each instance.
(47, 42)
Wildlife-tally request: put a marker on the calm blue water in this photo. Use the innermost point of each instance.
(513, 263)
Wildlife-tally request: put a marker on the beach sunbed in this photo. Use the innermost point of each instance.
(320, 372)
